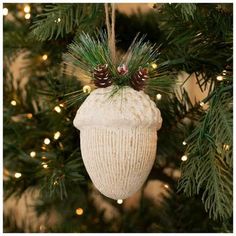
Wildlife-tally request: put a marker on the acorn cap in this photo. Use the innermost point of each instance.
(125, 108)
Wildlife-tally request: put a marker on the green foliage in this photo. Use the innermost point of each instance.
(187, 10)
(201, 45)
(87, 53)
(208, 170)
(60, 19)
(179, 115)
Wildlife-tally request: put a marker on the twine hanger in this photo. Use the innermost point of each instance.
(110, 23)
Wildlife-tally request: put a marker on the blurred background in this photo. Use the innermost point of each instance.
(46, 186)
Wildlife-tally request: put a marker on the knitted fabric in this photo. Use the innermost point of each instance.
(118, 139)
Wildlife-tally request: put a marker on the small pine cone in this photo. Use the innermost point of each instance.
(139, 78)
(101, 76)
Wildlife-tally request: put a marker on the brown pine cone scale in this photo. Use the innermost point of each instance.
(139, 78)
(101, 76)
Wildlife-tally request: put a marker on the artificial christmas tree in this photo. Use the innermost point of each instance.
(189, 188)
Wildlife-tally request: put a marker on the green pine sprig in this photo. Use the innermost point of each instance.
(88, 52)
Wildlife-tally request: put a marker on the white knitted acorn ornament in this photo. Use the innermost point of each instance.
(118, 134)
(118, 122)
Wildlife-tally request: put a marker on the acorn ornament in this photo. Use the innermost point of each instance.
(118, 122)
(118, 139)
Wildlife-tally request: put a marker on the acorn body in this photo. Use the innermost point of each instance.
(118, 133)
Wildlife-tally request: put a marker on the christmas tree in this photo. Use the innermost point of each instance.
(55, 55)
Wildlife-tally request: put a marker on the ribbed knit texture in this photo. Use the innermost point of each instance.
(118, 139)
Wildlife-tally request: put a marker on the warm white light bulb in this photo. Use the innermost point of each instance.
(220, 77)
(119, 201)
(27, 16)
(57, 135)
(5, 11)
(27, 9)
(45, 166)
(184, 158)
(57, 109)
(29, 115)
(154, 65)
(79, 211)
(226, 147)
(13, 103)
(33, 154)
(86, 89)
(45, 57)
(47, 141)
(158, 96)
(224, 72)
(166, 185)
(201, 104)
(184, 143)
(17, 175)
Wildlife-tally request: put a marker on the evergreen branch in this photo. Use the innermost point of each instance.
(60, 19)
(208, 169)
(187, 10)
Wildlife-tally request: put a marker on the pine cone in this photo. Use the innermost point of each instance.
(101, 76)
(139, 78)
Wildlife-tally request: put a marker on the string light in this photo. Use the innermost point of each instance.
(17, 175)
(42, 228)
(119, 201)
(79, 211)
(5, 11)
(29, 115)
(33, 154)
(27, 16)
(47, 141)
(57, 135)
(61, 105)
(166, 185)
(184, 143)
(86, 89)
(27, 9)
(43, 147)
(45, 57)
(184, 158)
(220, 77)
(13, 103)
(57, 109)
(45, 166)
(226, 147)
(201, 104)
(224, 72)
(44, 158)
(158, 96)
(55, 183)
(154, 65)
